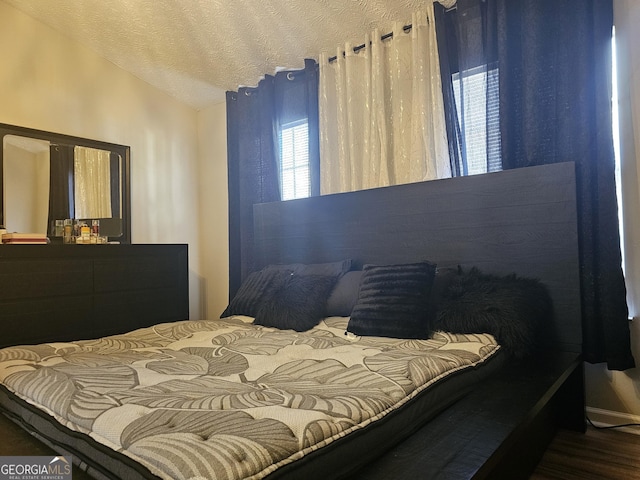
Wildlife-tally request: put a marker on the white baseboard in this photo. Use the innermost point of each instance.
(607, 418)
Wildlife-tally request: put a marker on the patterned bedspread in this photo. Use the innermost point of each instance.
(227, 399)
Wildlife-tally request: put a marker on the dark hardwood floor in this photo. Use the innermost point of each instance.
(596, 455)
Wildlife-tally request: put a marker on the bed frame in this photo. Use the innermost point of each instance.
(521, 221)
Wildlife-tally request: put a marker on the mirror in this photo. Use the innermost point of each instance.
(48, 176)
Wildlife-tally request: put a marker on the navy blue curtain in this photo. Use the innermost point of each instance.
(254, 117)
(469, 60)
(554, 63)
(61, 184)
(114, 168)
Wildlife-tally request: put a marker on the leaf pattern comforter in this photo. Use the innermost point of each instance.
(226, 399)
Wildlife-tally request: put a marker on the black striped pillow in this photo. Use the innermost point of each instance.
(393, 301)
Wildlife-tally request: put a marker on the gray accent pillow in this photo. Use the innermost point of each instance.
(344, 295)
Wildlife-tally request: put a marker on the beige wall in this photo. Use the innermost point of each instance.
(214, 231)
(51, 83)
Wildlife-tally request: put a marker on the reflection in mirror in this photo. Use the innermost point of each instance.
(26, 196)
(95, 173)
(48, 177)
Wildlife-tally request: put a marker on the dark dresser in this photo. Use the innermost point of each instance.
(70, 292)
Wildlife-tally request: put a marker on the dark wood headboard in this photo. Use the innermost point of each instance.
(521, 221)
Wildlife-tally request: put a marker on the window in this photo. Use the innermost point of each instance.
(476, 96)
(295, 181)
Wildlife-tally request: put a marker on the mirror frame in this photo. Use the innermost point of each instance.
(122, 150)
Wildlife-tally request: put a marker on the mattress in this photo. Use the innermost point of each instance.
(227, 399)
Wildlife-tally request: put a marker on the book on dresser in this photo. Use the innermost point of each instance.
(24, 238)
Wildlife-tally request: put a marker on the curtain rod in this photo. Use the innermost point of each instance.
(405, 29)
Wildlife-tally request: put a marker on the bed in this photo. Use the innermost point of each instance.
(350, 393)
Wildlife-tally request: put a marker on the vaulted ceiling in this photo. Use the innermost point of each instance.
(196, 49)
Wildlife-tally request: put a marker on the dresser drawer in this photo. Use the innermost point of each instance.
(42, 278)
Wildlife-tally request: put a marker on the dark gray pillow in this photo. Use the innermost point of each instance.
(298, 304)
(515, 310)
(254, 290)
(258, 285)
(344, 295)
(394, 301)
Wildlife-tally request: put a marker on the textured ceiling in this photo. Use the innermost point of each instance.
(196, 49)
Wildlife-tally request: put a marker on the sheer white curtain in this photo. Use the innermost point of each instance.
(627, 19)
(381, 111)
(92, 183)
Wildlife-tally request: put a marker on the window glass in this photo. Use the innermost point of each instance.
(294, 161)
(475, 92)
